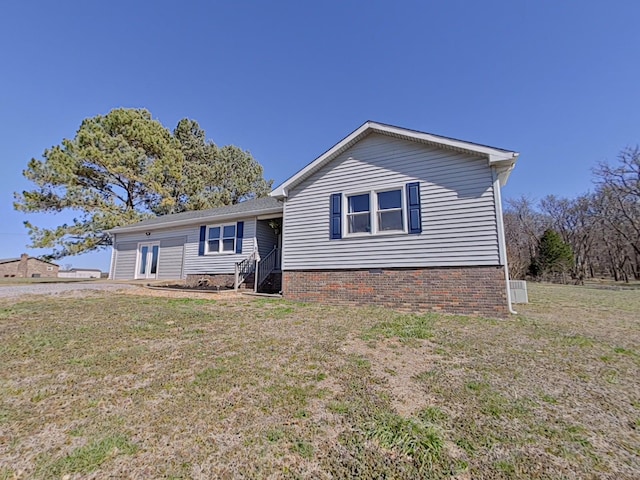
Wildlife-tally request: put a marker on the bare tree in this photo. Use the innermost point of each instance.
(619, 201)
(575, 220)
(523, 226)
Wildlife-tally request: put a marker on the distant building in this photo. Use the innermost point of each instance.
(27, 267)
(80, 273)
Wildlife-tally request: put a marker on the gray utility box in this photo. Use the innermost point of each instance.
(518, 291)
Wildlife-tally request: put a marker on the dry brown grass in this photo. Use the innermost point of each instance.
(154, 385)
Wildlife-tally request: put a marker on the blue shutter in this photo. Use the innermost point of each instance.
(336, 217)
(414, 215)
(239, 234)
(203, 236)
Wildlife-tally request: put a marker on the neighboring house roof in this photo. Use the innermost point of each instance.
(503, 159)
(81, 270)
(9, 260)
(17, 259)
(248, 208)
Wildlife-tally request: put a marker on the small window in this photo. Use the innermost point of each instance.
(221, 239)
(358, 214)
(49, 268)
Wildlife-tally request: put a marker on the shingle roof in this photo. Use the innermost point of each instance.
(17, 259)
(247, 208)
(9, 260)
(81, 270)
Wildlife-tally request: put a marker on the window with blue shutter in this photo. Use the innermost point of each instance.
(414, 214)
(336, 216)
(221, 239)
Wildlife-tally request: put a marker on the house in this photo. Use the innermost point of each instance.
(80, 273)
(387, 216)
(27, 267)
(205, 244)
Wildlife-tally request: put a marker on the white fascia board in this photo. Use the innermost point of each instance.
(494, 155)
(191, 221)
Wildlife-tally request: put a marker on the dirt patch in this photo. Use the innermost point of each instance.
(398, 364)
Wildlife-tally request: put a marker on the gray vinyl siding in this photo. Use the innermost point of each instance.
(266, 237)
(171, 258)
(458, 210)
(178, 255)
(217, 263)
(125, 259)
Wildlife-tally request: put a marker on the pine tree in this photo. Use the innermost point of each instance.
(125, 166)
(554, 257)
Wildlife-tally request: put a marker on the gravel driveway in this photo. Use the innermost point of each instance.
(14, 291)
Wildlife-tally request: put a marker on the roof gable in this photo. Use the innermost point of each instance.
(504, 160)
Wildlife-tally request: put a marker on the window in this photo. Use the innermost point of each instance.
(387, 215)
(358, 214)
(49, 268)
(375, 212)
(221, 238)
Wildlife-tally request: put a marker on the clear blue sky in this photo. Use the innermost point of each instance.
(554, 80)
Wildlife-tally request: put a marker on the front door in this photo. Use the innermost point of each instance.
(147, 265)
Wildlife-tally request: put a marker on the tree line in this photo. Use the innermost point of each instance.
(596, 234)
(126, 166)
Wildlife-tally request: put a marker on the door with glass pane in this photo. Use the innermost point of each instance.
(147, 266)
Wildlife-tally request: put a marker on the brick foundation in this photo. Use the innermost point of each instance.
(461, 290)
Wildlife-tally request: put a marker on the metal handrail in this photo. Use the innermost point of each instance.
(245, 268)
(265, 266)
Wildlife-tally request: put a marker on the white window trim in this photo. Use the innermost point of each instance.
(373, 212)
(221, 238)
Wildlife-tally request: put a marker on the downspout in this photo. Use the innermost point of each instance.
(502, 243)
(112, 264)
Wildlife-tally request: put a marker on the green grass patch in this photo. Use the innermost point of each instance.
(189, 301)
(89, 458)
(623, 351)
(404, 327)
(432, 415)
(578, 341)
(408, 436)
(210, 375)
(303, 448)
(274, 435)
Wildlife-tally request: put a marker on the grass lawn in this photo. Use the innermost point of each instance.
(124, 385)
